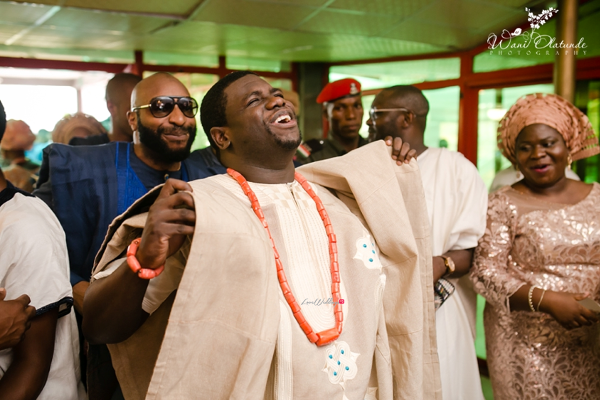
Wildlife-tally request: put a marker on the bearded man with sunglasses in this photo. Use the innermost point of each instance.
(457, 203)
(88, 186)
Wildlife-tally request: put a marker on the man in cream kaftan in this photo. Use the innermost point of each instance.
(290, 366)
(456, 204)
(344, 366)
(227, 332)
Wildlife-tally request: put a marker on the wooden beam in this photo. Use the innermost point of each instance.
(565, 70)
(468, 110)
(427, 56)
(61, 64)
(510, 77)
(423, 86)
(294, 72)
(222, 67)
(139, 63)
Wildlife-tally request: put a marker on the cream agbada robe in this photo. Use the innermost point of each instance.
(226, 329)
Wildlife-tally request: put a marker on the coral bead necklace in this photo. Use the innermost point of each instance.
(329, 335)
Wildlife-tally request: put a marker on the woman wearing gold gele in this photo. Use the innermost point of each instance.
(539, 256)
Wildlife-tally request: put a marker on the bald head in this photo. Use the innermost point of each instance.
(118, 97)
(407, 96)
(406, 115)
(119, 88)
(159, 84)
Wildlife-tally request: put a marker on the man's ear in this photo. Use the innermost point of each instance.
(405, 119)
(220, 136)
(132, 120)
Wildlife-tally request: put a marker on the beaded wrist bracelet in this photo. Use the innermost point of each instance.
(134, 264)
(530, 299)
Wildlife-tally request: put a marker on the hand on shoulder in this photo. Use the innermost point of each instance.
(401, 151)
(15, 319)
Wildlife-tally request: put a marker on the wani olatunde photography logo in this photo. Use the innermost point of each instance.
(532, 42)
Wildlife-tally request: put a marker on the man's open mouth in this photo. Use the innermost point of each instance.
(282, 117)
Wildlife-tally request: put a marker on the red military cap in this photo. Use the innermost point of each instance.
(338, 89)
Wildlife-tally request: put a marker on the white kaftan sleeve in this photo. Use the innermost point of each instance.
(471, 203)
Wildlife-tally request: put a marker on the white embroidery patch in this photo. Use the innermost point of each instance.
(366, 251)
(371, 393)
(340, 363)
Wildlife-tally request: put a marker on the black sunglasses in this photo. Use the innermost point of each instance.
(162, 106)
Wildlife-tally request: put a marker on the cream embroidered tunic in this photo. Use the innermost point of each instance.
(228, 334)
(300, 369)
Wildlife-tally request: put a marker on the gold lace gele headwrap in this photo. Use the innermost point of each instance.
(551, 110)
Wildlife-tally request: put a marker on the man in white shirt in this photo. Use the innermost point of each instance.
(457, 203)
(33, 261)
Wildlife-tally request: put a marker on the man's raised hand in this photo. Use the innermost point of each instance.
(171, 218)
(401, 151)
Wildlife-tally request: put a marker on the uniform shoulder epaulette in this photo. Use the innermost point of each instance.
(309, 147)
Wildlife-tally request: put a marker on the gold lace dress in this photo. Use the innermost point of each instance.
(556, 247)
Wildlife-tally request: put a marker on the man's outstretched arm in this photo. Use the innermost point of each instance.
(113, 305)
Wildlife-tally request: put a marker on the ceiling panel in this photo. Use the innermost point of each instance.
(327, 21)
(61, 53)
(465, 14)
(77, 20)
(48, 37)
(449, 38)
(302, 3)
(403, 8)
(253, 13)
(288, 30)
(181, 7)
(348, 48)
(8, 31)
(150, 6)
(520, 4)
(20, 13)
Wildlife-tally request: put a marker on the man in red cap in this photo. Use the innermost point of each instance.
(342, 106)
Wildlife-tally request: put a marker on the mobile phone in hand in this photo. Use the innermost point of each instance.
(590, 304)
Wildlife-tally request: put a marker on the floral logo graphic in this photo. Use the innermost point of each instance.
(519, 41)
(540, 19)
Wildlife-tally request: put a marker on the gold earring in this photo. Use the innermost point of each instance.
(519, 174)
(569, 160)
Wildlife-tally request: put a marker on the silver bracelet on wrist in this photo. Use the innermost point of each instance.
(530, 299)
